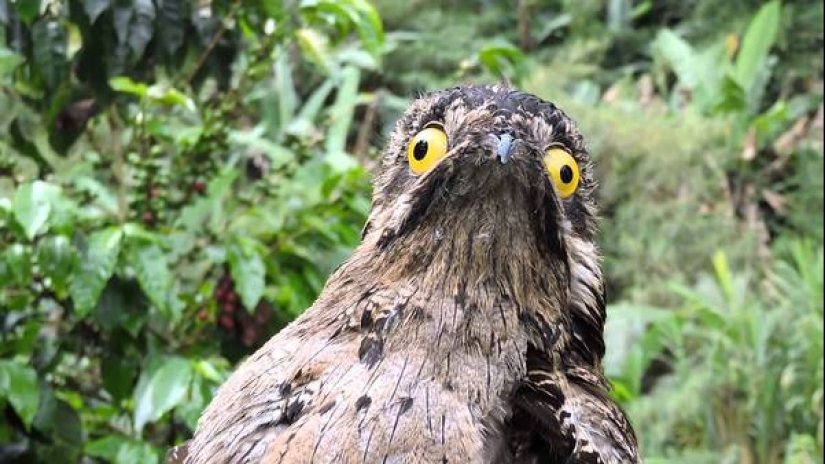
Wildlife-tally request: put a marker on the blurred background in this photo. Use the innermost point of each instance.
(178, 178)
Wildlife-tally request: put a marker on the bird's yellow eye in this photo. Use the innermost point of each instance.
(563, 170)
(426, 149)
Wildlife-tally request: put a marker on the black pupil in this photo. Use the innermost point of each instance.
(566, 174)
(420, 150)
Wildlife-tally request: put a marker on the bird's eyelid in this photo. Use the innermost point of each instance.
(434, 124)
(557, 145)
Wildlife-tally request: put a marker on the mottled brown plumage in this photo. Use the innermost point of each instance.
(466, 327)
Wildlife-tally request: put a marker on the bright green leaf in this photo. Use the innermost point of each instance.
(97, 267)
(248, 271)
(126, 85)
(757, 42)
(18, 383)
(341, 116)
(315, 47)
(16, 265)
(153, 275)
(122, 450)
(8, 61)
(57, 259)
(28, 10)
(161, 387)
(106, 447)
(32, 206)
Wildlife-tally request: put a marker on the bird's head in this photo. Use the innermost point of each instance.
(483, 164)
(487, 185)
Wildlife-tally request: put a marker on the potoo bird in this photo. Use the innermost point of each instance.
(467, 327)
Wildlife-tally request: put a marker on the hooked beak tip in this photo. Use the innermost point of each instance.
(505, 146)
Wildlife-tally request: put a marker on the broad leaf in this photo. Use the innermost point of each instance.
(341, 116)
(173, 15)
(161, 387)
(8, 61)
(57, 259)
(18, 383)
(152, 273)
(677, 54)
(142, 26)
(16, 265)
(757, 42)
(126, 85)
(118, 449)
(97, 267)
(32, 206)
(49, 52)
(28, 10)
(248, 272)
(95, 8)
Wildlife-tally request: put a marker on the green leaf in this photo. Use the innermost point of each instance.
(126, 85)
(153, 275)
(723, 275)
(122, 450)
(756, 43)
(60, 421)
(161, 387)
(97, 267)
(248, 271)
(95, 8)
(32, 206)
(278, 154)
(49, 52)
(142, 26)
(285, 88)
(502, 59)
(359, 15)
(314, 46)
(8, 61)
(16, 265)
(18, 384)
(105, 448)
(118, 373)
(57, 259)
(173, 16)
(137, 452)
(678, 55)
(28, 10)
(340, 119)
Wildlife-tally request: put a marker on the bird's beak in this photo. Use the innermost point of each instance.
(504, 147)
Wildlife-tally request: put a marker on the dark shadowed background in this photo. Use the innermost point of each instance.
(178, 178)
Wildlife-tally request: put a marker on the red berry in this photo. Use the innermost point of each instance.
(199, 186)
(148, 218)
(229, 307)
(227, 322)
(249, 336)
(203, 315)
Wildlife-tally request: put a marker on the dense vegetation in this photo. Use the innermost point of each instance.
(178, 178)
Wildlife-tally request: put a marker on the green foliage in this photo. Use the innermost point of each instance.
(752, 350)
(165, 207)
(178, 179)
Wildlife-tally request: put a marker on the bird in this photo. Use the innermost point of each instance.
(467, 326)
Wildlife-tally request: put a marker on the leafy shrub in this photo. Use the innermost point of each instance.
(177, 187)
(744, 362)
